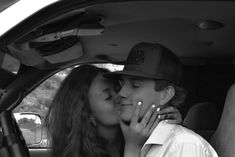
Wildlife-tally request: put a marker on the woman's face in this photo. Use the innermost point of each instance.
(101, 96)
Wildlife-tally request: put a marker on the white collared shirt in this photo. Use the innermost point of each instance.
(171, 140)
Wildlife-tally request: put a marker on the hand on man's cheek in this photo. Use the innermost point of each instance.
(146, 104)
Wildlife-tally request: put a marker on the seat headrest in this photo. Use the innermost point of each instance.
(202, 116)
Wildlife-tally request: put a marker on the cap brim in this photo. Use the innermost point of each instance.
(118, 74)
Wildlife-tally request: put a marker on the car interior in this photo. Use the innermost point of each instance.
(69, 32)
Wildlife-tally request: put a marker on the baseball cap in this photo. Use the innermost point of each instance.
(153, 61)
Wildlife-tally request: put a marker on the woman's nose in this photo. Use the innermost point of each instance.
(116, 99)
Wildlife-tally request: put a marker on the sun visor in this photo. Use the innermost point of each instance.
(57, 41)
(58, 51)
(33, 57)
(9, 63)
(71, 53)
(26, 55)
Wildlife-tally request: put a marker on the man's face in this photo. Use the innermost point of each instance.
(134, 90)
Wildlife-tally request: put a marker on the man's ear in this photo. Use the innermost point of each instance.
(167, 94)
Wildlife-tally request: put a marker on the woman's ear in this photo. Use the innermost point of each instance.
(167, 94)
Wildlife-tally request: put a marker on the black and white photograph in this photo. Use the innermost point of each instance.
(117, 78)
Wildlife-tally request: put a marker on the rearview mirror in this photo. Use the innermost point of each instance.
(30, 126)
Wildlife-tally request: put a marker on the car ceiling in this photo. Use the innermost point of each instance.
(171, 23)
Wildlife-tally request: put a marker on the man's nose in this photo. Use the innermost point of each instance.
(123, 92)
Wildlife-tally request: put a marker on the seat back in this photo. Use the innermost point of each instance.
(202, 118)
(223, 139)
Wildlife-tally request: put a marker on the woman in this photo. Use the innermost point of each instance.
(83, 120)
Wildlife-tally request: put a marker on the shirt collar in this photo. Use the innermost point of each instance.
(161, 133)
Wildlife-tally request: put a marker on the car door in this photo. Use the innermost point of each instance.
(37, 102)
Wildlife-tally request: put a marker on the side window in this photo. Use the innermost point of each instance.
(37, 103)
(30, 114)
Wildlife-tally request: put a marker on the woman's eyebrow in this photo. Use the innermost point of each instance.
(106, 89)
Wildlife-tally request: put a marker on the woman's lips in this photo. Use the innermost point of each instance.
(125, 107)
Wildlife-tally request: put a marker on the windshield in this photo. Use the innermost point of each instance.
(13, 12)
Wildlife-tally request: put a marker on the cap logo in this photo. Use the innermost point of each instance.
(136, 57)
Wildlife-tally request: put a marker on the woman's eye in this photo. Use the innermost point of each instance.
(109, 97)
(109, 94)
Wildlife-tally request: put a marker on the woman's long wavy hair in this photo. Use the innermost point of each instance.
(69, 127)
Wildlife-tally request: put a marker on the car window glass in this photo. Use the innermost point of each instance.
(39, 100)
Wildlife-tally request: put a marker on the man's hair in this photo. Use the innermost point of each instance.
(180, 93)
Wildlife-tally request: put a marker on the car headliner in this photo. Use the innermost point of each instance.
(171, 23)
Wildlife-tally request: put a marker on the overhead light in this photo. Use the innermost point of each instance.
(210, 25)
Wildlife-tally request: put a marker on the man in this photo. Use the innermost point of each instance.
(151, 76)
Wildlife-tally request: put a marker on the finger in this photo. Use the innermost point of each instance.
(135, 115)
(162, 117)
(175, 119)
(123, 126)
(170, 116)
(173, 116)
(168, 109)
(152, 120)
(147, 115)
(172, 113)
(172, 121)
(157, 120)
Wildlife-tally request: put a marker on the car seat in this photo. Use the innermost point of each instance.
(223, 139)
(202, 118)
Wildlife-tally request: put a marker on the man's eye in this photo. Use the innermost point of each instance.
(136, 84)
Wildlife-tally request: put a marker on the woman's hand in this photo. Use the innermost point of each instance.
(171, 115)
(137, 132)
